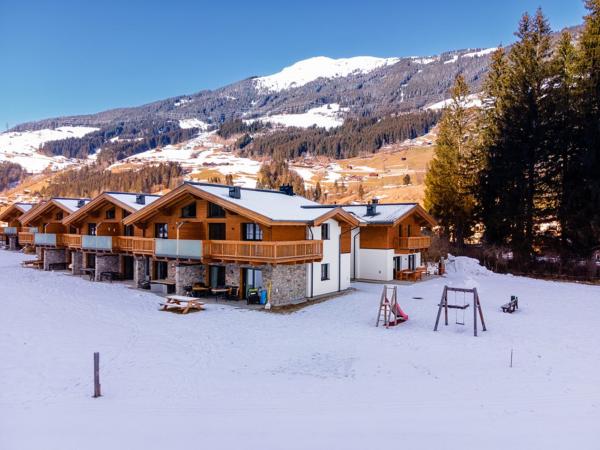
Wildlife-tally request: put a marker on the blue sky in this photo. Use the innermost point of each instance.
(75, 57)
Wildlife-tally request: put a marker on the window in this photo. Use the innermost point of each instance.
(161, 231)
(189, 211)
(397, 263)
(408, 230)
(91, 229)
(324, 272)
(252, 232)
(215, 210)
(59, 215)
(128, 230)
(216, 231)
(110, 213)
(252, 280)
(217, 276)
(400, 230)
(91, 261)
(325, 231)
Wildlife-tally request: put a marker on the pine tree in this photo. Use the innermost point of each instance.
(361, 191)
(448, 190)
(318, 192)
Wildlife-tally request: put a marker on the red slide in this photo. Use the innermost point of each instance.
(400, 315)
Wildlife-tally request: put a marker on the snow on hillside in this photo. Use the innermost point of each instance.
(472, 101)
(479, 53)
(21, 147)
(308, 70)
(321, 378)
(193, 123)
(326, 116)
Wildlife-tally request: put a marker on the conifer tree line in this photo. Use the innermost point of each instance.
(353, 138)
(90, 181)
(529, 159)
(10, 174)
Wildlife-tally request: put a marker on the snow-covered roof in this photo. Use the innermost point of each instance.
(129, 199)
(24, 206)
(71, 204)
(384, 212)
(274, 205)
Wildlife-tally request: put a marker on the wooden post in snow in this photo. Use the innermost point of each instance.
(97, 392)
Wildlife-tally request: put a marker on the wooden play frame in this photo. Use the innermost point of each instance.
(476, 307)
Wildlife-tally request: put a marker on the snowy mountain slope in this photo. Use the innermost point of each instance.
(311, 69)
(21, 147)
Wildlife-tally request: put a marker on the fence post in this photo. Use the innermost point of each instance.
(97, 392)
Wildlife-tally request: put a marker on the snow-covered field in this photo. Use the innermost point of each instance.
(320, 378)
(326, 116)
(21, 147)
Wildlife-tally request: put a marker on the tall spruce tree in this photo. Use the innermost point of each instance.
(448, 183)
(519, 124)
(586, 218)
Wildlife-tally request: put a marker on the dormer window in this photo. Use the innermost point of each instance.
(110, 213)
(189, 211)
(215, 210)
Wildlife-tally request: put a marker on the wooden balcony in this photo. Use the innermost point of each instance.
(403, 244)
(136, 245)
(72, 241)
(26, 238)
(265, 252)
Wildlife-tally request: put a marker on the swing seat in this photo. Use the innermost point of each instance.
(457, 306)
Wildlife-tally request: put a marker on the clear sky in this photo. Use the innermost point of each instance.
(63, 57)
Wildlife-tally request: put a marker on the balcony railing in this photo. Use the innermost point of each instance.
(11, 230)
(265, 252)
(178, 248)
(26, 238)
(235, 251)
(72, 240)
(412, 243)
(98, 243)
(48, 239)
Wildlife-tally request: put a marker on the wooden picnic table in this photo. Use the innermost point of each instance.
(181, 303)
(33, 263)
(110, 275)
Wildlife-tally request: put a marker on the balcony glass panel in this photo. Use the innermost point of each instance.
(45, 239)
(96, 242)
(178, 248)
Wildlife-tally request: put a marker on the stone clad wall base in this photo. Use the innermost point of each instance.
(139, 271)
(187, 275)
(12, 243)
(107, 263)
(39, 252)
(76, 263)
(54, 256)
(288, 283)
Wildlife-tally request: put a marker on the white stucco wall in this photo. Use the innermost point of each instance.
(330, 256)
(376, 264)
(355, 253)
(404, 258)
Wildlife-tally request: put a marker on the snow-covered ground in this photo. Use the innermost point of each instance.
(321, 378)
(21, 147)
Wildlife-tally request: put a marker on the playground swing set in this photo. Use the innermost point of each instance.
(460, 308)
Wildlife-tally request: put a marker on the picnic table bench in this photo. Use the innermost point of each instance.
(181, 303)
(511, 306)
(37, 263)
(110, 275)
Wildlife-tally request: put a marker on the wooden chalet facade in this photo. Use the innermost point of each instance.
(11, 217)
(249, 238)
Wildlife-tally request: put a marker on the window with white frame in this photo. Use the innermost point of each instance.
(325, 231)
(324, 272)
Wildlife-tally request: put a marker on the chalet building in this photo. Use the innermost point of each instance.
(45, 229)
(98, 239)
(10, 216)
(249, 238)
(389, 241)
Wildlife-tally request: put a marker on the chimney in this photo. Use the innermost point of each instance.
(286, 189)
(140, 199)
(80, 203)
(235, 192)
(372, 207)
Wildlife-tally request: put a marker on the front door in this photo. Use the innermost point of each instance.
(217, 276)
(412, 262)
(128, 267)
(252, 280)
